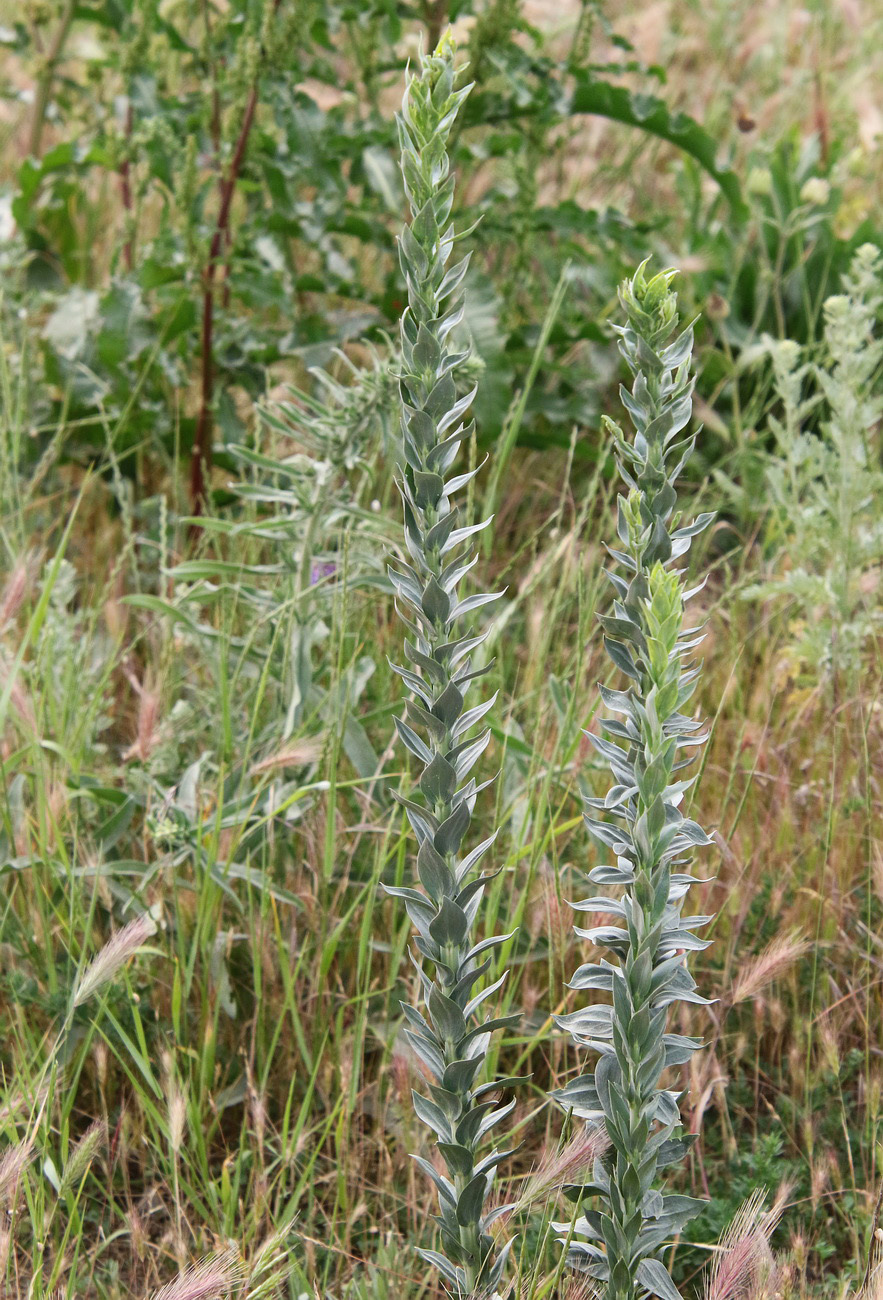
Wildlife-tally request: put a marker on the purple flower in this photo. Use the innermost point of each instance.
(321, 569)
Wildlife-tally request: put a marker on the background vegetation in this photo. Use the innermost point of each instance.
(198, 208)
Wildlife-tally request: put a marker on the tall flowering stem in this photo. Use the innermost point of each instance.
(448, 1035)
(626, 1221)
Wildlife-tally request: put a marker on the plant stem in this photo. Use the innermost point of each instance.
(434, 16)
(47, 77)
(126, 191)
(201, 454)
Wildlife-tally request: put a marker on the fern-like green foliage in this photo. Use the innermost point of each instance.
(449, 1036)
(650, 740)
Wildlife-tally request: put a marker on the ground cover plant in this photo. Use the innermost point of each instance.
(201, 766)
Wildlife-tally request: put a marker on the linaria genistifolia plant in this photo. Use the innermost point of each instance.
(643, 828)
(450, 1039)
(825, 484)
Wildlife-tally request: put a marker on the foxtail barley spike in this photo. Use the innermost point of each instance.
(115, 953)
(216, 1277)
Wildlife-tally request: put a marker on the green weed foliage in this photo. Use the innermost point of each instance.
(824, 479)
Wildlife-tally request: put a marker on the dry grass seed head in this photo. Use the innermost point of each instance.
(581, 1288)
(767, 966)
(877, 871)
(177, 1119)
(13, 594)
(576, 1286)
(744, 1266)
(115, 953)
(872, 1286)
(299, 754)
(83, 1153)
(148, 732)
(18, 695)
(19, 1102)
(213, 1278)
(13, 1163)
(560, 1167)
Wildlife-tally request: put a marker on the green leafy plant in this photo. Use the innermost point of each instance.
(451, 1039)
(649, 836)
(305, 494)
(528, 110)
(181, 147)
(825, 481)
(206, 195)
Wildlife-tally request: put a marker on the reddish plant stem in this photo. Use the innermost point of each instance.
(213, 76)
(201, 455)
(225, 276)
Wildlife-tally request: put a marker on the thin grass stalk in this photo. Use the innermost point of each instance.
(644, 828)
(449, 1035)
